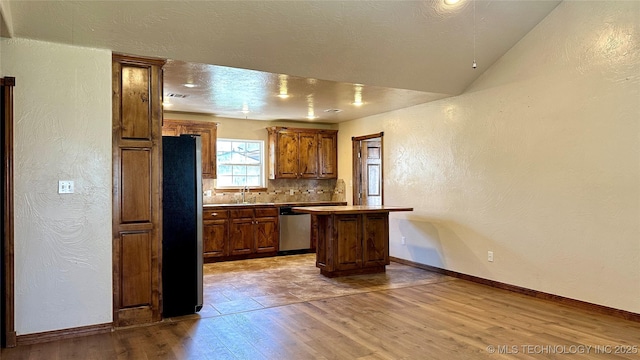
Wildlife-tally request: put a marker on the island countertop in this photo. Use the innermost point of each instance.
(352, 209)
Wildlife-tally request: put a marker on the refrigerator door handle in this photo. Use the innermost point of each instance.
(199, 210)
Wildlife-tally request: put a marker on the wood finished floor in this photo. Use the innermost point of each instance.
(281, 308)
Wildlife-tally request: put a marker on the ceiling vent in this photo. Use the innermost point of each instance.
(333, 111)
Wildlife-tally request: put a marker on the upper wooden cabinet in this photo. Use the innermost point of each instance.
(328, 155)
(208, 134)
(302, 153)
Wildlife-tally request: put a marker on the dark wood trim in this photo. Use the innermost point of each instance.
(601, 309)
(138, 60)
(47, 336)
(367, 137)
(8, 81)
(356, 174)
(8, 282)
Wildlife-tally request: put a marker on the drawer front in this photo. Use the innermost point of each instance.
(241, 213)
(266, 212)
(212, 214)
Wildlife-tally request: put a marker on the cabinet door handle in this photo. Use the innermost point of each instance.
(214, 214)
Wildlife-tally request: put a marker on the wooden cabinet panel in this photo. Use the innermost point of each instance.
(241, 214)
(375, 240)
(241, 237)
(328, 156)
(214, 238)
(214, 214)
(266, 212)
(308, 155)
(215, 234)
(296, 153)
(136, 185)
(136, 120)
(137, 179)
(208, 135)
(266, 235)
(320, 225)
(348, 252)
(135, 274)
(287, 161)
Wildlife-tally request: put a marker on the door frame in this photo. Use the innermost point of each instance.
(8, 335)
(356, 146)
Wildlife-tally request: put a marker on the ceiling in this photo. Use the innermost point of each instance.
(239, 53)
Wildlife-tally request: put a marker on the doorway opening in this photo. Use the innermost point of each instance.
(367, 169)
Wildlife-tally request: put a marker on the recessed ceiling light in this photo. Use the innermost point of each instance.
(283, 96)
(189, 85)
(357, 96)
(451, 2)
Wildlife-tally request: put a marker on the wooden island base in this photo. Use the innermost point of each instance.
(363, 271)
(350, 240)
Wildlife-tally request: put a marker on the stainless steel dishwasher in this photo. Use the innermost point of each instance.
(295, 231)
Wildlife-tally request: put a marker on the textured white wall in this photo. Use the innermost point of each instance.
(62, 132)
(6, 21)
(538, 161)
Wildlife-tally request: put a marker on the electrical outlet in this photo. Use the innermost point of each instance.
(66, 187)
(404, 241)
(490, 256)
(290, 191)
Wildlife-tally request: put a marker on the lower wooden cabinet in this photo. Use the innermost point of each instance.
(267, 232)
(215, 233)
(240, 232)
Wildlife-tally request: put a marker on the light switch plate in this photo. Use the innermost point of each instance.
(66, 187)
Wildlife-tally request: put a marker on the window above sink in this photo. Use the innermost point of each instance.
(240, 163)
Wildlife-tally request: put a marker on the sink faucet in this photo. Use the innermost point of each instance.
(245, 190)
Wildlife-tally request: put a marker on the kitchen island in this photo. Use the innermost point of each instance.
(350, 239)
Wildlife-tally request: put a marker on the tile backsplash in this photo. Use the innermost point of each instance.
(281, 190)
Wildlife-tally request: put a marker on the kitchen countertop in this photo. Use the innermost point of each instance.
(279, 204)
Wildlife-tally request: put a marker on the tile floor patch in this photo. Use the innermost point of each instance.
(245, 285)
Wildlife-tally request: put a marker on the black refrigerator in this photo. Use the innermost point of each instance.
(181, 225)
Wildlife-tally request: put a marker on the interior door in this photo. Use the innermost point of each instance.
(367, 170)
(372, 172)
